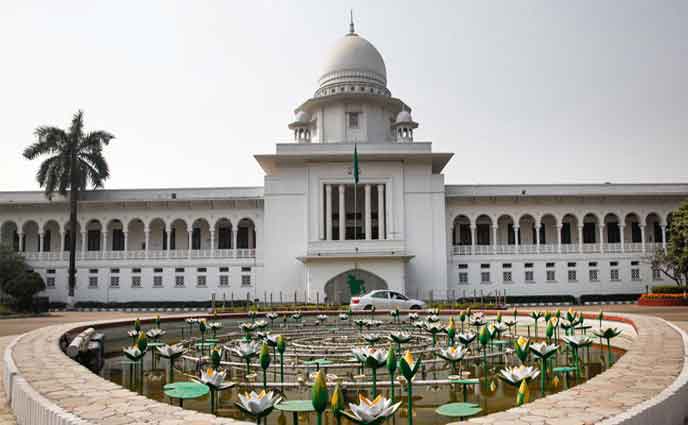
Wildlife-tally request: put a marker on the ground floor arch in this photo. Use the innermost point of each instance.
(338, 290)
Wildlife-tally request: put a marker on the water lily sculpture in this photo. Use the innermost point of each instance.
(272, 316)
(360, 323)
(248, 328)
(322, 317)
(477, 321)
(155, 333)
(372, 358)
(371, 338)
(543, 351)
(343, 316)
(215, 381)
(281, 347)
(261, 324)
(466, 338)
(453, 355)
(257, 405)
(214, 326)
(499, 329)
(516, 375)
(434, 329)
(371, 412)
(413, 317)
(433, 318)
(319, 395)
(408, 367)
(608, 334)
(400, 338)
(133, 334)
(576, 342)
(171, 353)
(247, 351)
(522, 348)
(297, 316)
(536, 316)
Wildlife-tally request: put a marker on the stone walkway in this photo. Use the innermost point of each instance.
(6, 416)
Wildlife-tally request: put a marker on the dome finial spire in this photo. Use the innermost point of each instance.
(351, 22)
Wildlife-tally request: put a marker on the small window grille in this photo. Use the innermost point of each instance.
(224, 269)
(50, 282)
(463, 278)
(507, 277)
(506, 265)
(550, 276)
(136, 281)
(485, 277)
(93, 282)
(179, 281)
(594, 276)
(614, 274)
(224, 280)
(572, 275)
(635, 275)
(484, 266)
(529, 276)
(114, 281)
(463, 266)
(656, 274)
(200, 280)
(157, 270)
(529, 265)
(157, 281)
(246, 280)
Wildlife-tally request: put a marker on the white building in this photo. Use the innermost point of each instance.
(305, 230)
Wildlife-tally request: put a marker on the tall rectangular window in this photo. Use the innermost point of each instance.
(117, 240)
(613, 233)
(46, 241)
(196, 238)
(464, 234)
(566, 233)
(636, 233)
(483, 231)
(352, 119)
(225, 238)
(589, 233)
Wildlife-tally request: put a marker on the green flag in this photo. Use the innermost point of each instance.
(355, 167)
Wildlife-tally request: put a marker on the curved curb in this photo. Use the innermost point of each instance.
(668, 407)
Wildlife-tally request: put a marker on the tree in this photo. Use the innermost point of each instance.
(23, 287)
(11, 265)
(74, 162)
(674, 263)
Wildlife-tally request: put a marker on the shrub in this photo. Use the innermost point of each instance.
(667, 289)
(608, 297)
(23, 287)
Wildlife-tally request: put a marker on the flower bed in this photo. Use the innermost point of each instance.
(668, 300)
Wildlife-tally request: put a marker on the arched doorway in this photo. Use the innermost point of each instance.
(338, 290)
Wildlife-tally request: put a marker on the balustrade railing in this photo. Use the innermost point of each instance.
(141, 254)
(572, 248)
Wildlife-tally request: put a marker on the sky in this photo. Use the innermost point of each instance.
(522, 92)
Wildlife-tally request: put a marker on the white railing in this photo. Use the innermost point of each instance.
(483, 249)
(572, 248)
(549, 249)
(612, 247)
(349, 247)
(633, 247)
(569, 248)
(462, 249)
(527, 249)
(140, 254)
(591, 248)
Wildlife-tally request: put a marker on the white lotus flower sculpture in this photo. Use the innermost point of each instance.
(516, 375)
(259, 404)
(453, 353)
(246, 349)
(322, 317)
(343, 316)
(413, 317)
(577, 340)
(171, 351)
(133, 353)
(371, 411)
(543, 350)
(155, 333)
(214, 379)
(466, 338)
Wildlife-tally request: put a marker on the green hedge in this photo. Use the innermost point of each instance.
(667, 289)
(609, 297)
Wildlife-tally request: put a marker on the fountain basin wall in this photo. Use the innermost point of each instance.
(648, 385)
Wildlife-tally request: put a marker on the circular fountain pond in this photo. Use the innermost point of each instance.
(332, 342)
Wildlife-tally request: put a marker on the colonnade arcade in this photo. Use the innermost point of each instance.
(570, 233)
(362, 216)
(156, 236)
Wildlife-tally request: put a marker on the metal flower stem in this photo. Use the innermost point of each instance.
(212, 400)
(409, 397)
(319, 418)
(543, 374)
(575, 361)
(265, 379)
(609, 352)
(141, 373)
(391, 389)
(282, 369)
(248, 366)
(170, 371)
(374, 391)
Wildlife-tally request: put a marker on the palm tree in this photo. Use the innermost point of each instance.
(74, 162)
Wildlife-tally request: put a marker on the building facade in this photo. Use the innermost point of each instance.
(310, 226)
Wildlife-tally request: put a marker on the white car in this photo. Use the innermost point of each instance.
(385, 300)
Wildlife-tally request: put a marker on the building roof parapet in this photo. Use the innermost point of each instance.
(139, 195)
(564, 190)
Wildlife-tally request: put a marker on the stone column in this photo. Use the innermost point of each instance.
(83, 243)
(368, 225)
(126, 242)
(342, 213)
(60, 248)
(212, 242)
(474, 238)
(538, 226)
(381, 211)
(250, 236)
(321, 212)
(21, 241)
(516, 238)
(642, 236)
(103, 248)
(601, 238)
(40, 242)
(328, 212)
(189, 235)
(169, 241)
(664, 237)
(146, 235)
(494, 238)
(580, 239)
(622, 238)
(235, 241)
(559, 228)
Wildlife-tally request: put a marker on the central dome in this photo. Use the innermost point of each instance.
(354, 60)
